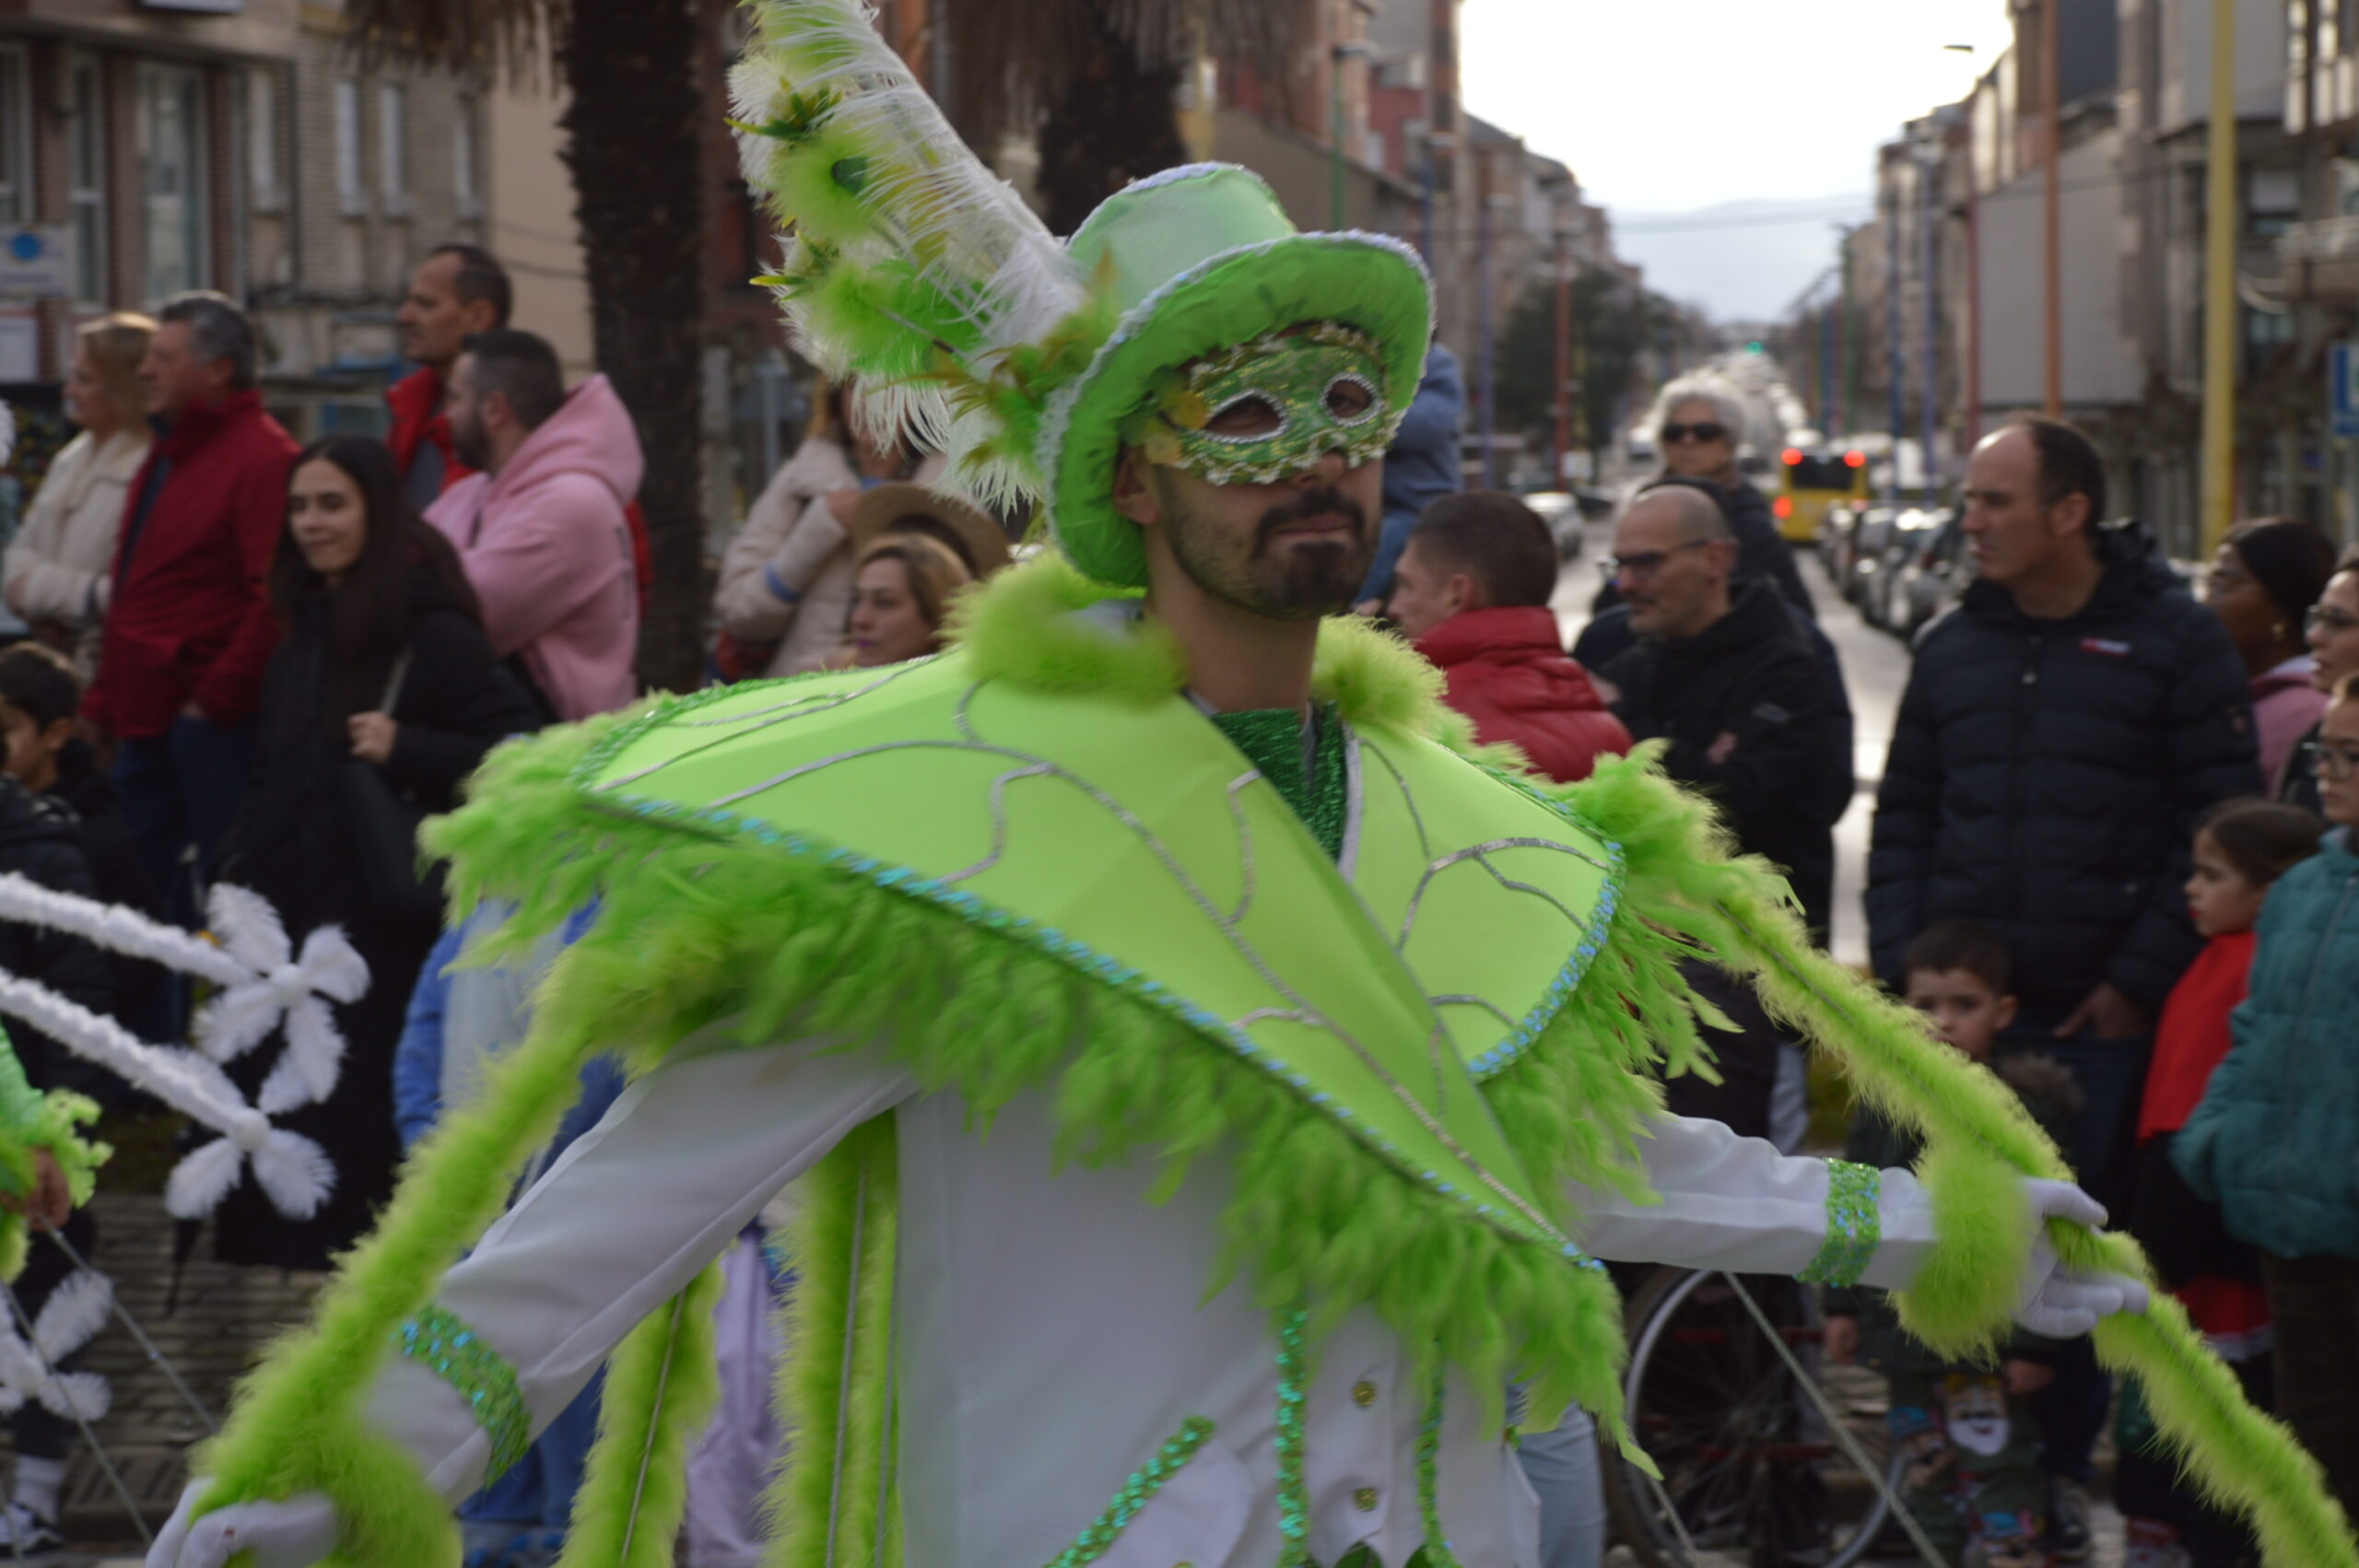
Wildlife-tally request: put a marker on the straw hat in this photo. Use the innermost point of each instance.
(881, 509)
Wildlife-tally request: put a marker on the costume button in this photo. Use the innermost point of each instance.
(1363, 1393)
(1365, 1498)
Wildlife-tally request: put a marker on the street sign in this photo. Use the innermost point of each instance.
(37, 259)
(2343, 389)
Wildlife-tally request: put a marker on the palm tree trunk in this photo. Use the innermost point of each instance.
(635, 146)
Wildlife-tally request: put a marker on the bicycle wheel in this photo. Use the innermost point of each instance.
(1752, 1477)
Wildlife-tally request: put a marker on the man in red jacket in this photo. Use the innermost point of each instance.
(1472, 590)
(457, 291)
(189, 624)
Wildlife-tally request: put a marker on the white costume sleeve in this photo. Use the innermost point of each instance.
(1736, 1203)
(622, 1221)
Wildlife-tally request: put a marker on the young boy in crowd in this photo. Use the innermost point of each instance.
(1973, 1479)
(40, 696)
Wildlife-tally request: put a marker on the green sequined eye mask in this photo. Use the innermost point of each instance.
(1265, 410)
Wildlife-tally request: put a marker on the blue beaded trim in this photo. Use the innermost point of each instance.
(441, 1341)
(1436, 1551)
(1144, 1483)
(1077, 956)
(1294, 1498)
(1504, 1055)
(1854, 1224)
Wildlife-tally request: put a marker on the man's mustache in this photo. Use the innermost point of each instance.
(1324, 502)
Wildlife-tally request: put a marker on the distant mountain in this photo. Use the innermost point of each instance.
(1739, 260)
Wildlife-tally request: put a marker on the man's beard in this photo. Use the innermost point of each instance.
(468, 444)
(1285, 581)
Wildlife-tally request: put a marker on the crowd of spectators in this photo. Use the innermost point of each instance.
(2097, 860)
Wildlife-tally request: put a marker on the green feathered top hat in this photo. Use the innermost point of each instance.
(965, 324)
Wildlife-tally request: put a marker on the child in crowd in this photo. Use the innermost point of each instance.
(1973, 1479)
(47, 754)
(2272, 1140)
(2241, 847)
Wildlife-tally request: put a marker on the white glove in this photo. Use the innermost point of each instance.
(293, 1534)
(2059, 1302)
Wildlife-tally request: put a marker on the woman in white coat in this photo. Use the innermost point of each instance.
(787, 577)
(56, 574)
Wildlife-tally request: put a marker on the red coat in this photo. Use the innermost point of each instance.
(416, 403)
(1508, 673)
(191, 618)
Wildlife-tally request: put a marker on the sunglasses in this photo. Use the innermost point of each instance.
(1674, 434)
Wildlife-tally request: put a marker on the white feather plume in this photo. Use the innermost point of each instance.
(117, 930)
(70, 1318)
(969, 236)
(294, 1174)
(203, 1179)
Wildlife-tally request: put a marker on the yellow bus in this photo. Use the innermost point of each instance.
(1810, 481)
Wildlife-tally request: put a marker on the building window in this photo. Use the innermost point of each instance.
(392, 169)
(2273, 200)
(15, 140)
(262, 141)
(172, 173)
(86, 179)
(351, 190)
(465, 195)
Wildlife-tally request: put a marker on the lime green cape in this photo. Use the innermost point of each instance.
(1031, 864)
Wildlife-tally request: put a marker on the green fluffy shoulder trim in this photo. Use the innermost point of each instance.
(53, 1121)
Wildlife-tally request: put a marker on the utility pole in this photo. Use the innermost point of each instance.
(2220, 284)
(1928, 168)
(1564, 399)
(1973, 289)
(2053, 238)
(1485, 349)
(1895, 364)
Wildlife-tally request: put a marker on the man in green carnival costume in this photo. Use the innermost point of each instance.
(1211, 1079)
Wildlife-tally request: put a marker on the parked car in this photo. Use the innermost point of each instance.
(1561, 510)
(1880, 598)
(1837, 531)
(1864, 557)
(1930, 579)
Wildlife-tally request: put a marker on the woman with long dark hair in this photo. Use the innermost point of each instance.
(381, 696)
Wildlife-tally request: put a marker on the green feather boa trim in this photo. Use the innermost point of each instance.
(662, 1386)
(55, 1124)
(1981, 1142)
(834, 1502)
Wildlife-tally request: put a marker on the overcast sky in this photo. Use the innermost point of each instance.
(1678, 105)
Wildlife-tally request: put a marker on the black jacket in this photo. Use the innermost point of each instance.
(2045, 778)
(293, 842)
(119, 876)
(41, 841)
(1754, 675)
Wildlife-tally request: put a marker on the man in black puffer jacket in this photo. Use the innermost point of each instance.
(2063, 730)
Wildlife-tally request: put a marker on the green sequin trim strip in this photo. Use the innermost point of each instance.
(1145, 1482)
(1853, 1225)
(443, 1342)
(1294, 1500)
(1435, 1552)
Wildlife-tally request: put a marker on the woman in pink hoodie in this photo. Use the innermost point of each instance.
(2264, 577)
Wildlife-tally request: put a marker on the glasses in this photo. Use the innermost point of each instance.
(1674, 434)
(2328, 760)
(2327, 620)
(1645, 563)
